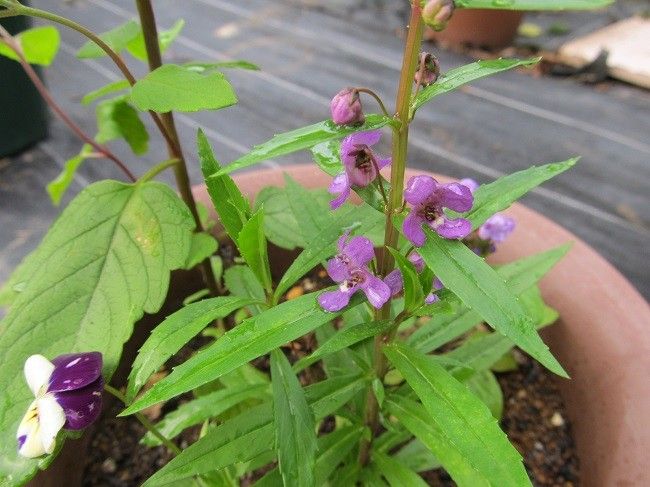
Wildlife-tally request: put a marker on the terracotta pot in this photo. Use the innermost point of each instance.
(479, 27)
(602, 340)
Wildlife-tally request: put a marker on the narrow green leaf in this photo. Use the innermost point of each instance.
(304, 138)
(117, 119)
(499, 195)
(203, 408)
(138, 50)
(485, 386)
(202, 247)
(480, 287)
(535, 4)
(294, 425)
(117, 39)
(174, 332)
(241, 281)
(327, 155)
(416, 456)
(59, 185)
(341, 362)
(463, 420)
(173, 87)
(39, 45)
(236, 63)
(458, 77)
(379, 391)
(413, 294)
(396, 473)
(108, 89)
(253, 248)
(342, 339)
(233, 208)
(252, 338)
(310, 216)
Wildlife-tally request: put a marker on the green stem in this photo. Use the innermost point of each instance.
(157, 169)
(145, 422)
(386, 262)
(368, 91)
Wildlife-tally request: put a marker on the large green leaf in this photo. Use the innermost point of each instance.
(252, 246)
(173, 87)
(117, 119)
(458, 77)
(39, 45)
(534, 4)
(203, 246)
(59, 185)
(173, 333)
(304, 138)
(117, 39)
(465, 423)
(250, 339)
(102, 265)
(499, 195)
(310, 215)
(138, 50)
(397, 474)
(483, 290)
(295, 428)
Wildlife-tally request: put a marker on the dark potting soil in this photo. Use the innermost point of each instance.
(534, 419)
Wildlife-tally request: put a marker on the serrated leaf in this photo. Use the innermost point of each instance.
(174, 332)
(236, 63)
(117, 39)
(39, 45)
(534, 4)
(252, 246)
(202, 247)
(108, 89)
(485, 386)
(413, 293)
(462, 419)
(59, 185)
(117, 119)
(175, 88)
(103, 264)
(294, 425)
(483, 290)
(397, 474)
(458, 77)
(304, 138)
(252, 338)
(138, 50)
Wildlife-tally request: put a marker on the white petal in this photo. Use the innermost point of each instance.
(28, 435)
(52, 418)
(38, 370)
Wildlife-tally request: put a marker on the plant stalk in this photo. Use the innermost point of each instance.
(150, 34)
(386, 262)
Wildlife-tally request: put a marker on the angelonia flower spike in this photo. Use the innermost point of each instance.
(350, 269)
(346, 108)
(360, 165)
(68, 392)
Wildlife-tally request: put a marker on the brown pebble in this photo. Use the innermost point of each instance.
(295, 292)
(521, 394)
(557, 420)
(109, 466)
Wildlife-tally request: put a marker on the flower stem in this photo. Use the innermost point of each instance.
(398, 168)
(368, 91)
(157, 169)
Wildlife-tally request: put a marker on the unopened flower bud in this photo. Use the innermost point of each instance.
(428, 69)
(436, 13)
(346, 107)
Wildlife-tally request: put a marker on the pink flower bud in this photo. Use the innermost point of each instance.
(436, 13)
(428, 69)
(346, 107)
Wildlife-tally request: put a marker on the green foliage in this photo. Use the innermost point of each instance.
(39, 45)
(117, 39)
(108, 89)
(235, 64)
(138, 50)
(413, 293)
(59, 185)
(203, 245)
(485, 386)
(173, 87)
(535, 4)
(295, 438)
(105, 262)
(397, 474)
(416, 456)
(116, 119)
(252, 247)
(465, 425)
(241, 281)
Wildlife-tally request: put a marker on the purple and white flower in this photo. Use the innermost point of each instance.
(395, 280)
(346, 107)
(360, 165)
(428, 199)
(68, 392)
(350, 269)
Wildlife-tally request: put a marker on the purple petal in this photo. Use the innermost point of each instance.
(340, 184)
(81, 406)
(431, 298)
(376, 290)
(419, 189)
(360, 250)
(496, 228)
(338, 270)
(382, 161)
(455, 196)
(334, 300)
(74, 371)
(361, 177)
(437, 283)
(412, 229)
(417, 260)
(394, 281)
(470, 183)
(458, 228)
(370, 137)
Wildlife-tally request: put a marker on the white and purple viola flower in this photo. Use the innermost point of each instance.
(360, 165)
(350, 269)
(68, 392)
(428, 199)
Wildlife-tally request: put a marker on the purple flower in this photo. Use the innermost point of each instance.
(470, 183)
(496, 228)
(360, 165)
(428, 197)
(346, 107)
(395, 280)
(68, 394)
(429, 73)
(349, 268)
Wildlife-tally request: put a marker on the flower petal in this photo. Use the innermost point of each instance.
(496, 228)
(81, 406)
(337, 269)
(362, 177)
(38, 371)
(360, 250)
(417, 260)
(458, 228)
(431, 298)
(51, 419)
(370, 137)
(412, 229)
(382, 161)
(419, 189)
(455, 196)
(334, 300)
(28, 434)
(470, 183)
(75, 370)
(394, 281)
(341, 185)
(376, 290)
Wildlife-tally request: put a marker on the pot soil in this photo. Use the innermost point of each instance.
(602, 339)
